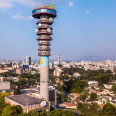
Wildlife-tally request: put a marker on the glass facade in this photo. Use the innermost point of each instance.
(44, 10)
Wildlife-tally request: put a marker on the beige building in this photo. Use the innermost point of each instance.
(28, 103)
(19, 71)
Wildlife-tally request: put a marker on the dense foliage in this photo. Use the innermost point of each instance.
(98, 75)
(114, 88)
(71, 85)
(11, 111)
(78, 86)
(93, 97)
(93, 110)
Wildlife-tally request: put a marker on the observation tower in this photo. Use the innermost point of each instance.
(45, 17)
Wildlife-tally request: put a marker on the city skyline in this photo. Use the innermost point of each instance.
(85, 29)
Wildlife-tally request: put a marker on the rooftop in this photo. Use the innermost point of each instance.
(25, 100)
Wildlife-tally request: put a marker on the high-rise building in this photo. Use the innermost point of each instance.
(45, 15)
(59, 60)
(28, 60)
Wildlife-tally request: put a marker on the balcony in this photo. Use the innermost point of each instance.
(44, 32)
(44, 38)
(44, 49)
(44, 43)
(44, 53)
(45, 27)
(44, 21)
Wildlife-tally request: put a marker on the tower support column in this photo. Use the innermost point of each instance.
(44, 77)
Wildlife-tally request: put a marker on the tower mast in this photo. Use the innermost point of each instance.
(45, 15)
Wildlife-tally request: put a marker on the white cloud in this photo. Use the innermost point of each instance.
(18, 16)
(87, 11)
(70, 3)
(5, 4)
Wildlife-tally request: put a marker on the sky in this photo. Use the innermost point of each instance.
(82, 30)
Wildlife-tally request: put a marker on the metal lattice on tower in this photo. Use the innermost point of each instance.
(45, 15)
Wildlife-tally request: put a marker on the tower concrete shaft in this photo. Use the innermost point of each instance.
(45, 15)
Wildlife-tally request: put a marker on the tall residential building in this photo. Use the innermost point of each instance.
(59, 59)
(28, 60)
(45, 17)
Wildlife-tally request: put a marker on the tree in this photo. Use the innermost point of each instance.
(93, 96)
(10, 73)
(11, 111)
(91, 114)
(82, 107)
(52, 79)
(18, 109)
(105, 79)
(61, 113)
(109, 110)
(59, 87)
(87, 109)
(79, 86)
(100, 84)
(68, 85)
(31, 82)
(22, 82)
(32, 113)
(83, 97)
(114, 88)
(2, 104)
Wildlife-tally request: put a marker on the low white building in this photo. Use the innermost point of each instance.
(93, 83)
(4, 86)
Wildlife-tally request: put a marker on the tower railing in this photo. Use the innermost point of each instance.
(44, 43)
(44, 54)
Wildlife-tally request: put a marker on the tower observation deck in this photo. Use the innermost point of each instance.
(45, 15)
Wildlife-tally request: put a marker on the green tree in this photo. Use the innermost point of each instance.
(114, 88)
(82, 107)
(59, 87)
(31, 82)
(87, 109)
(61, 113)
(2, 104)
(22, 82)
(11, 111)
(100, 84)
(34, 113)
(17, 109)
(93, 96)
(83, 97)
(109, 110)
(79, 86)
(89, 113)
